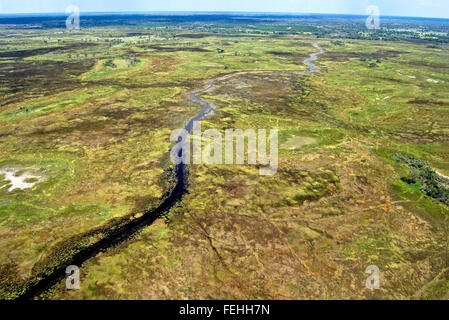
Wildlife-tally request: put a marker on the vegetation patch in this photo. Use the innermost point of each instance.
(433, 184)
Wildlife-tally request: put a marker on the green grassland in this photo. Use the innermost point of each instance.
(337, 204)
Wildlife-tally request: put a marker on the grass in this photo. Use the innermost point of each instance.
(336, 206)
(110, 68)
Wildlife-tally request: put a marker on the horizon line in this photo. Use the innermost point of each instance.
(217, 12)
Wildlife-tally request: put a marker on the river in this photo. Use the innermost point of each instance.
(124, 232)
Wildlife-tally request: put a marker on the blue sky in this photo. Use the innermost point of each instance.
(422, 8)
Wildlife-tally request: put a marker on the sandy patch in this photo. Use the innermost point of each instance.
(212, 65)
(433, 81)
(19, 178)
(296, 142)
(442, 175)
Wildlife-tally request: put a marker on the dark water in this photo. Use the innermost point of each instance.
(125, 232)
(207, 107)
(118, 236)
(313, 57)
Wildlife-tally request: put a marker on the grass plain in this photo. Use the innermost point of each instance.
(92, 112)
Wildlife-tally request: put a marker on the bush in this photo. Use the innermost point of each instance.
(433, 185)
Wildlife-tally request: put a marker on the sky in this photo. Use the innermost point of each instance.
(416, 8)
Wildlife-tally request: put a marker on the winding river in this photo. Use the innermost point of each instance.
(208, 108)
(124, 232)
